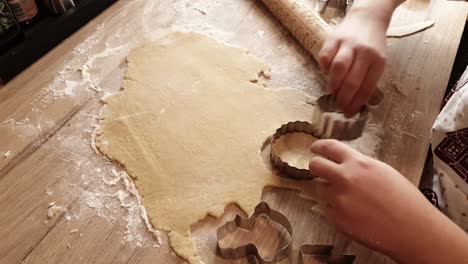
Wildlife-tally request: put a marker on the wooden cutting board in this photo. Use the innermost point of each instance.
(48, 130)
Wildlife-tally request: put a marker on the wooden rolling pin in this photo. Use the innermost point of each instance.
(305, 24)
(308, 28)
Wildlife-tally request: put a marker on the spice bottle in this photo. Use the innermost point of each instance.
(9, 28)
(24, 10)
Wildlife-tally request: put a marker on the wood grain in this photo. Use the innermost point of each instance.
(414, 83)
(306, 25)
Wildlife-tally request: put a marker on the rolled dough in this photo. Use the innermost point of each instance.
(188, 126)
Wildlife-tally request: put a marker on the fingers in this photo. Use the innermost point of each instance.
(353, 72)
(325, 169)
(322, 190)
(369, 86)
(353, 80)
(327, 53)
(332, 150)
(339, 68)
(324, 195)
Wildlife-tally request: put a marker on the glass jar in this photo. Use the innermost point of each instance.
(9, 28)
(24, 10)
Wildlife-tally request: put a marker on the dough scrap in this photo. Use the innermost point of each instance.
(188, 126)
(407, 30)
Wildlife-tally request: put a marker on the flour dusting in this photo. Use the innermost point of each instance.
(369, 143)
(95, 69)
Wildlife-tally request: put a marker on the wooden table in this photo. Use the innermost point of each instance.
(46, 155)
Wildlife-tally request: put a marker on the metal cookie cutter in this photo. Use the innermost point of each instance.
(327, 122)
(333, 124)
(321, 6)
(250, 250)
(292, 127)
(321, 254)
(344, 5)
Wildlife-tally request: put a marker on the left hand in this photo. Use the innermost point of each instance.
(353, 56)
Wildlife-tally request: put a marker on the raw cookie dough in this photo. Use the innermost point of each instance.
(294, 148)
(188, 126)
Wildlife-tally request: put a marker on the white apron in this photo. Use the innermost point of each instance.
(450, 153)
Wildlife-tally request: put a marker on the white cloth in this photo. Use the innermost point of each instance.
(450, 149)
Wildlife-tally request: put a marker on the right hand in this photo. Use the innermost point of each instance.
(374, 204)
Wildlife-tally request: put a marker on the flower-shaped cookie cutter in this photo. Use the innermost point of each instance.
(250, 250)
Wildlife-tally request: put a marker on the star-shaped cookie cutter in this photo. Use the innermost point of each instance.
(250, 250)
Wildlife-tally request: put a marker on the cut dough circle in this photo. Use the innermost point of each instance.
(294, 149)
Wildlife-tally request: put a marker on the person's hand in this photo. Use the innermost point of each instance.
(353, 57)
(374, 204)
(365, 198)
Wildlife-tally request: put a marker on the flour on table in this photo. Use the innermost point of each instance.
(109, 192)
(182, 176)
(70, 87)
(369, 143)
(54, 210)
(7, 154)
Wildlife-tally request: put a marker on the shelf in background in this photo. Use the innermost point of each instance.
(44, 33)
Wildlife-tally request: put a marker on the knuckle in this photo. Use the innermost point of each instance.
(345, 173)
(339, 65)
(352, 181)
(352, 172)
(313, 164)
(382, 57)
(325, 145)
(324, 58)
(377, 55)
(324, 54)
(339, 203)
(351, 84)
(371, 52)
(338, 38)
(331, 144)
(364, 48)
(363, 163)
(349, 177)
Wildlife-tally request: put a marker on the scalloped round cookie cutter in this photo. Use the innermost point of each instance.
(327, 123)
(292, 127)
